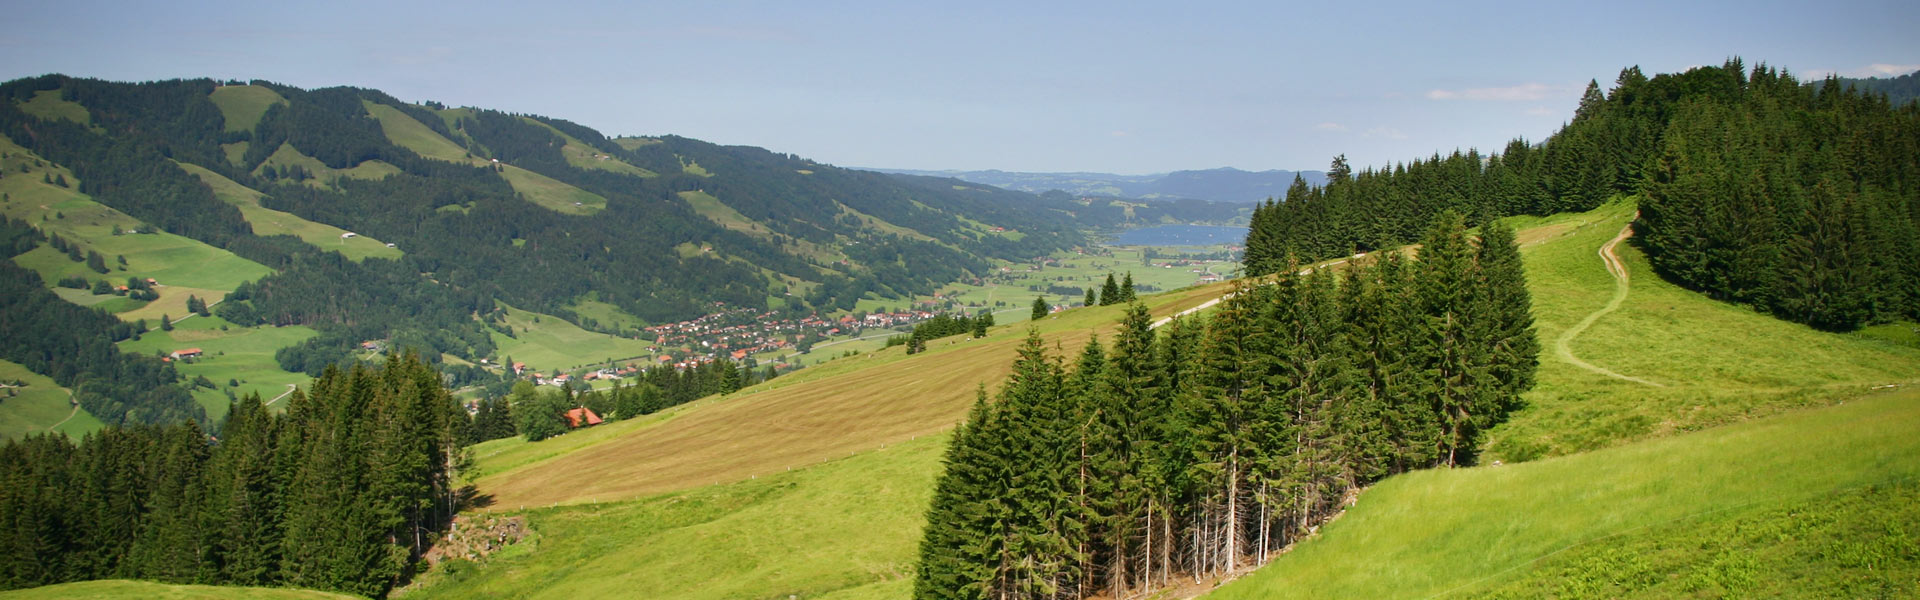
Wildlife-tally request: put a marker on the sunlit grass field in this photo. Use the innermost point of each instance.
(1444, 532)
(1715, 362)
(266, 221)
(37, 406)
(242, 354)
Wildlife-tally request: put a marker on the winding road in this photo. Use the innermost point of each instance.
(290, 388)
(70, 414)
(1621, 284)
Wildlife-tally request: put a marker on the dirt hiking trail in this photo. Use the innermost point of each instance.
(1621, 285)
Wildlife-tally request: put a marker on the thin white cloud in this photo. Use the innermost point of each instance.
(1385, 132)
(1539, 111)
(1330, 126)
(1526, 92)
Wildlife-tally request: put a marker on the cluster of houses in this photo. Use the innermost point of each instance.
(608, 374)
(735, 335)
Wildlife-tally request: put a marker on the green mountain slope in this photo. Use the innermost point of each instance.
(254, 188)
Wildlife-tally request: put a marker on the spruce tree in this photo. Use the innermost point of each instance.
(1221, 411)
(173, 544)
(1450, 360)
(244, 499)
(1040, 308)
(953, 550)
(1505, 324)
(1087, 397)
(1110, 292)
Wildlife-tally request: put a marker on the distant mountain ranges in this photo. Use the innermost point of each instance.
(1225, 184)
(1899, 90)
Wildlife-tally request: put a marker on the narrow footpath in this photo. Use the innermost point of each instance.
(1621, 285)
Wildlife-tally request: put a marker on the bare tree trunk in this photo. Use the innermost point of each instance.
(1266, 526)
(1233, 511)
(1166, 549)
(1146, 552)
(1193, 547)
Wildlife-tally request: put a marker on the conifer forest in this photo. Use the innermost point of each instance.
(1204, 446)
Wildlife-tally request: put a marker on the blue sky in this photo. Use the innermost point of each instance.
(1114, 87)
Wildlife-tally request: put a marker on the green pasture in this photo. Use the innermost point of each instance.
(267, 221)
(546, 342)
(37, 405)
(242, 106)
(243, 354)
(1711, 362)
(1443, 532)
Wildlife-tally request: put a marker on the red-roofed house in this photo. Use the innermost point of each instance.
(186, 353)
(582, 417)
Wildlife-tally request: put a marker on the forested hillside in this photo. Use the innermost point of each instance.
(482, 207)
(1799, 200)
(342, 492)
(1899, 90)
(74, 346)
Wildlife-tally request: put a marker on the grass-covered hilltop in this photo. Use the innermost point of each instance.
(267, 342)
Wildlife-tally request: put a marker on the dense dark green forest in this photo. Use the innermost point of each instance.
(1210, 444)
(74, 346)
(342, 492)
(1798, 200)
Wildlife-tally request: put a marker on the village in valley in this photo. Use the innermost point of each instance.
(761, 339)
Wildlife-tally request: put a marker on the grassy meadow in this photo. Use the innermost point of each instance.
(546, 342)
(323, 176)
(242, 106)
(845, 529)
(1853, 544)
(1446, 532)
(52, 104)
(240, 354)
(267, 221)
(581, 155)
(38, 405)
(170, 259)
(404, 131)
(1714, 363)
